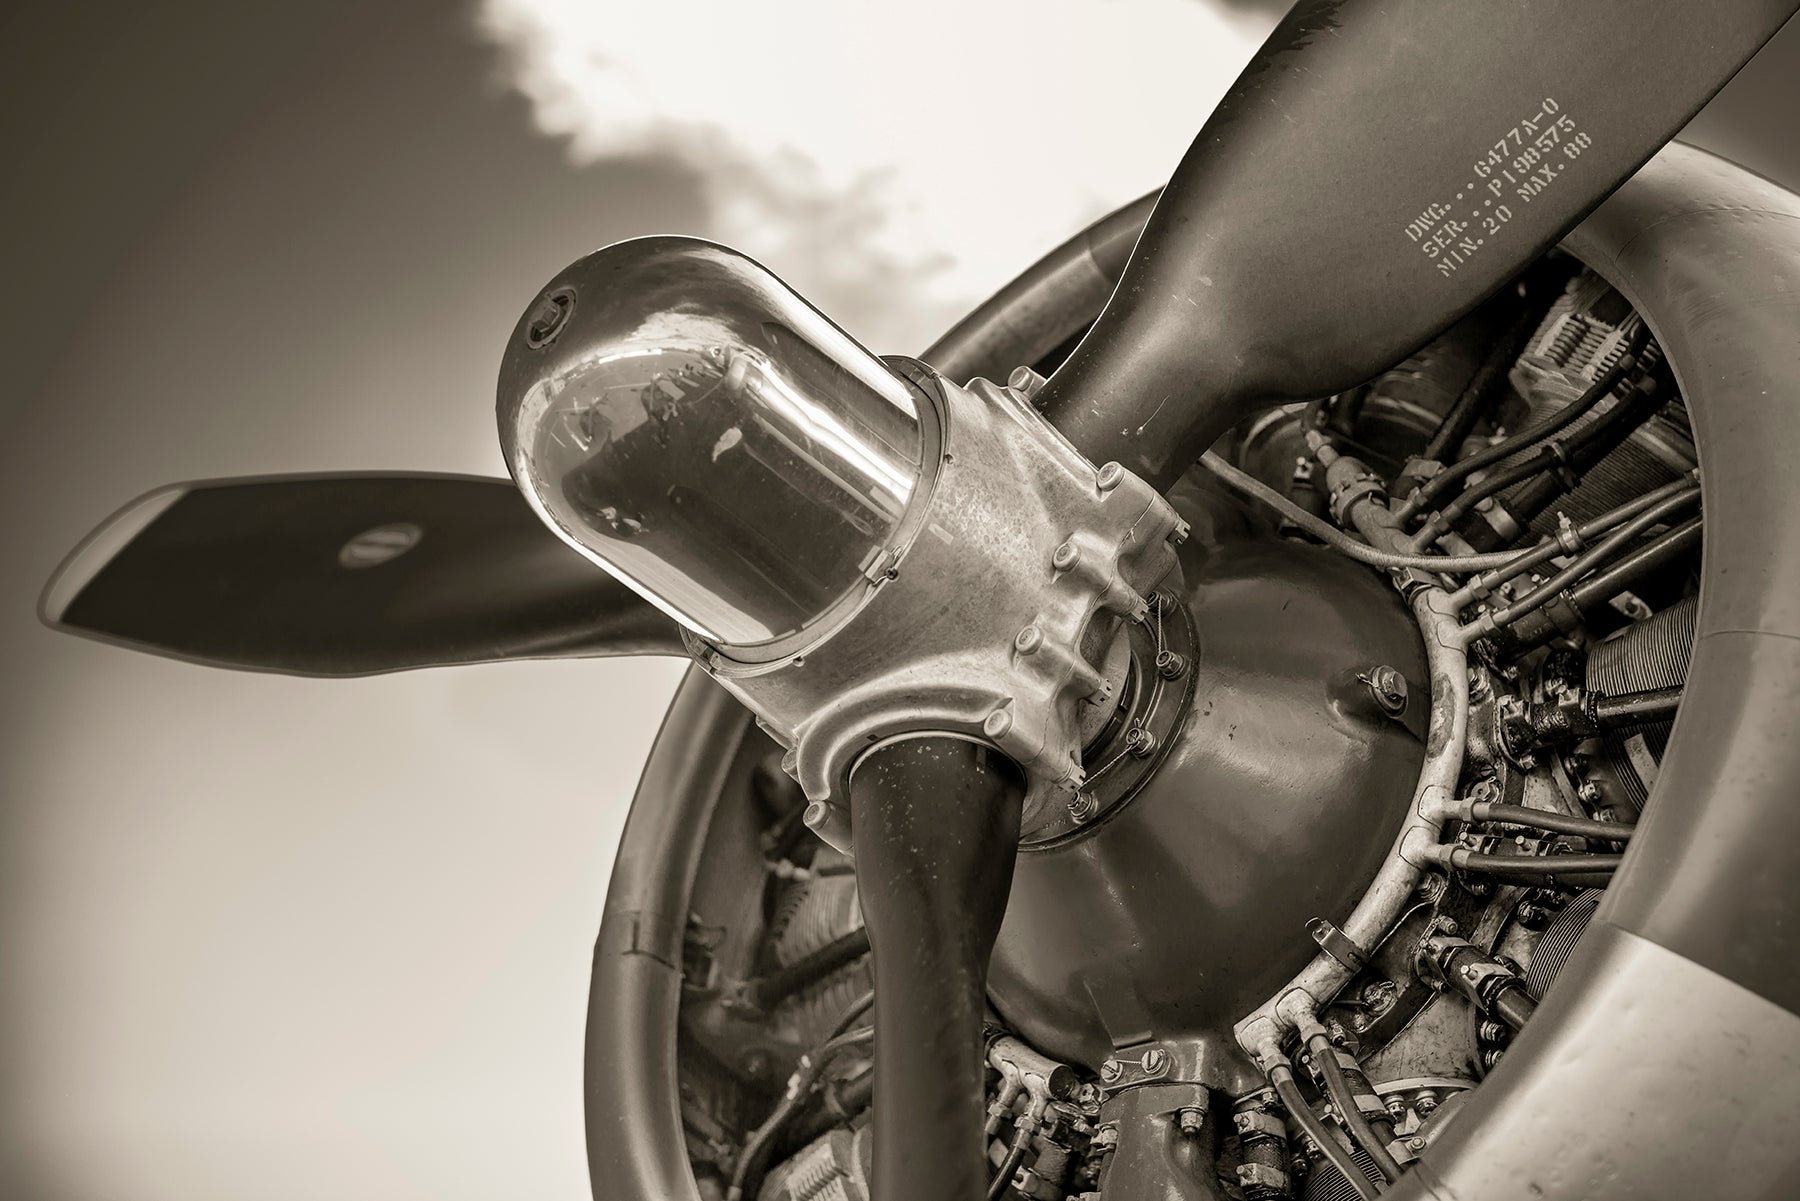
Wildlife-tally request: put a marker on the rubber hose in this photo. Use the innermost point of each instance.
(1281, 1075)
(1559, 823)
(1338, 1086)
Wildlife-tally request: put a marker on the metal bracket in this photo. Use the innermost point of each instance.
(1335, 943)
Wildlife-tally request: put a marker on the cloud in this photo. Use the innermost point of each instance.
(894, 163)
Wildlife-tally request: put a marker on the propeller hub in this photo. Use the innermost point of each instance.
(858, 548)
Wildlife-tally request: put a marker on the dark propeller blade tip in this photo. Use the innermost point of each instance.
(99, 548)
(1378, 169)
(345, 576)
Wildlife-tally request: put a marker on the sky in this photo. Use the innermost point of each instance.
(277, 938)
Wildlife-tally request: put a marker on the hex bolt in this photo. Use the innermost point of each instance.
(1241, 1121)
(1171, 665)
(1191, 1120)
(1066, 556)
(1140, 742)
(997, 723)
(1388, 687)
(1109, 476)
(1028, 640)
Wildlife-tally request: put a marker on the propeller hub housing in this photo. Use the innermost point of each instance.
(858, 548)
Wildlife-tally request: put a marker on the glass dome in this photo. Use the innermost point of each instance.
(681, 417)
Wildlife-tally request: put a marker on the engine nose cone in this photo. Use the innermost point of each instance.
(681, 417)
(1186, 906)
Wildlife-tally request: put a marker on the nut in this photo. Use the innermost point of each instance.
(1388, 687)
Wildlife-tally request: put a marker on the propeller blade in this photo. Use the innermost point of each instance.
(1379, 168)
(345, 576)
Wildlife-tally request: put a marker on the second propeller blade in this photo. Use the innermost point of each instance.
(345, 576)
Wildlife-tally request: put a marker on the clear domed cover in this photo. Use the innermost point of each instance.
(698, 429)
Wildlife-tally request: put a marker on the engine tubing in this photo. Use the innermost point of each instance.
(1678, 1005)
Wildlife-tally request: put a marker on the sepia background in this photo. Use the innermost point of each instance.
(278, 938)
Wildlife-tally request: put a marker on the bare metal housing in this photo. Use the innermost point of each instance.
(1026, 562)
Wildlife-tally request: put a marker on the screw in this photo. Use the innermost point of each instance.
(1066, 556)
(1140, 742)
(1416, 1143)
(549, 317)
(1171, 665)
(997, 723)
(1028, 640)
(1111, 1070)
(1154, 1060)
(1109, 476)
